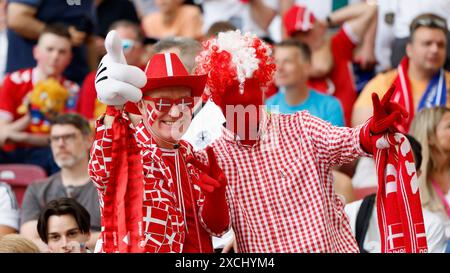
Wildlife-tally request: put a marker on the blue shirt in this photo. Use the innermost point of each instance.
(80, 14)
(320, 105)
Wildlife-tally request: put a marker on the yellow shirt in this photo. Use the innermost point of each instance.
(381, 83)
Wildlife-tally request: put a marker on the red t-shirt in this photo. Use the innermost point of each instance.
(340, 81)
(17, 85)
(197, 239)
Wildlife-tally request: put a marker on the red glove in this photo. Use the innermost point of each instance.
(385, 115)
(213, 182)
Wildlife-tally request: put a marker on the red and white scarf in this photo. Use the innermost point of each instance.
(122, 212)
(434, 94)
(399, 209)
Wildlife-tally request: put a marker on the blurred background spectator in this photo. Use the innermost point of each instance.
(173, 18)
(70, 139)
(420, 79)
(431, 127)
(31, 97)
(26, 19)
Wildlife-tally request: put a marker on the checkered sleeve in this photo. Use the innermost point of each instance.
(334, 145)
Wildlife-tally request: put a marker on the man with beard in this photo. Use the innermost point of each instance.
(70, 140)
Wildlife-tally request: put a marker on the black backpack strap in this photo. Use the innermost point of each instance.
(363, 219)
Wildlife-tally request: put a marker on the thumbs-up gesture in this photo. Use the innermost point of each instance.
(117, 82)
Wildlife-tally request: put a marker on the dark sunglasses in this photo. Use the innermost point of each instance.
(164, 104)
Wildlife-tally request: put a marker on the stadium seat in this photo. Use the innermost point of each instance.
(19, 176)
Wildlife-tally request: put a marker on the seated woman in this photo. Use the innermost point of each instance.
(431, 128)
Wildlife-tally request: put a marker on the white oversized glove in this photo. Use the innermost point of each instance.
(117, 82)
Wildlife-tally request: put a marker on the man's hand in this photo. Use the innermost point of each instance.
(213, 180)
(232, 245)
(385, 115)
(76, 36)
(116, 82)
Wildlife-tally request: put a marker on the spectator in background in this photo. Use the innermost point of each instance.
(173, 19)
(19, 144)
(70, 139)
(431, 128)
(404, 13)
(26, 19)
(9, 210)
(365, 53)
(420, 80)
(364, 222)
(219, 26)
(108, 13)
(248, 16)
(15, 243)
(132, 38)
(331, 56)
(293, 60)
(64, 225)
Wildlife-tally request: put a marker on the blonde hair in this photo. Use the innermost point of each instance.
(423, 128)
(16, 243)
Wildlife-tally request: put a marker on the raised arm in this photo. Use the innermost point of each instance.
(358, 18)
(21, 18)
(261, 13)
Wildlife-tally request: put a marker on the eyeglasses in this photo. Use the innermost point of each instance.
(165, 104)
(66, 138)
(127, 44)
(429, 22)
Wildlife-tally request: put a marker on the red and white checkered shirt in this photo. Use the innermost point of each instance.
(280, 191)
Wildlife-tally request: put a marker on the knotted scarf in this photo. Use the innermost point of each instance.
(399, 208)
(122, 213)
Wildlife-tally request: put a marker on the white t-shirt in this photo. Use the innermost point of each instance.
(434, 229)
(321, 8)
(233, 11)
(9, 210)
(407, 10)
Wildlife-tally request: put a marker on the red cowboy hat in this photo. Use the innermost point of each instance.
(166, 69)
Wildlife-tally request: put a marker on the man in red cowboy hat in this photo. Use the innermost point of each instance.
(153, 199)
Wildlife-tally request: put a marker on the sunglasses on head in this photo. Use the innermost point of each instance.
(127, 44)
(429, 22)
(165, 104)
